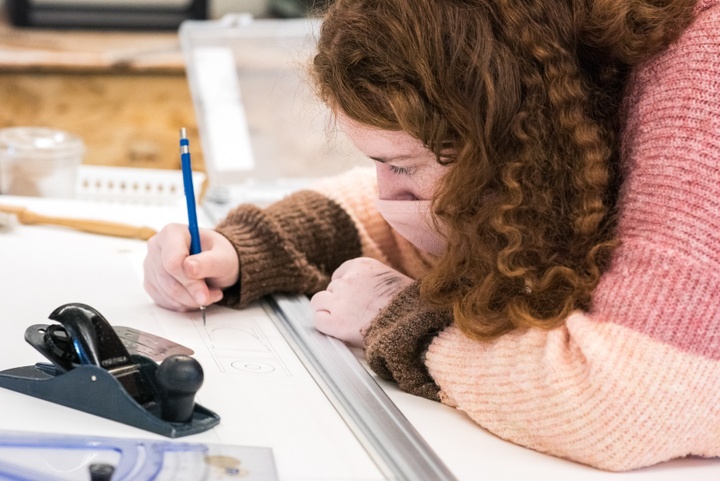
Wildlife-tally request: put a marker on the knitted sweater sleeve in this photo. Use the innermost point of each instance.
(291, 246)
(634, 381)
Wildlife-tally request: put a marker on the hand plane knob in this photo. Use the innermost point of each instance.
(179, 378)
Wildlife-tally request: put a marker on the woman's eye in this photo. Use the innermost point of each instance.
(400, 170)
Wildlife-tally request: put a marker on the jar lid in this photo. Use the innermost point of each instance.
(39, 142)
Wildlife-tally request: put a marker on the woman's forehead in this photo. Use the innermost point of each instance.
(383, 145)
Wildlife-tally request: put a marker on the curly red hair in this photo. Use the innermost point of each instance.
(522, 99)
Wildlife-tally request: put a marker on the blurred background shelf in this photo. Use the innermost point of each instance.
(124, 92)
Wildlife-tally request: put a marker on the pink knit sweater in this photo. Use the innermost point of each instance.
(636, 380)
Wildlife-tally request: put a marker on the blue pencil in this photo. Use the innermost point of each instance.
(195, 247)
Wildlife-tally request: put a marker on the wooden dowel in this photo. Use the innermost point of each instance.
(114, 229)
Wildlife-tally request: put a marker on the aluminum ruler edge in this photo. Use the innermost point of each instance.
(386, 434)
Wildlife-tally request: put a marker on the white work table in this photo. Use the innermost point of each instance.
(44, 267)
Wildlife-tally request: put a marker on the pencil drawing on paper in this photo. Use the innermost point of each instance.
(241, 348)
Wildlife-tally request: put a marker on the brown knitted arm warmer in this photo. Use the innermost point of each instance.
(293, 246)
(396, 342)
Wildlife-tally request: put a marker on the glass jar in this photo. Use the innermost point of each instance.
(39, 161)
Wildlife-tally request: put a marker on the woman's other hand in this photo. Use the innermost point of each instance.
(359, 289)
(175, 280)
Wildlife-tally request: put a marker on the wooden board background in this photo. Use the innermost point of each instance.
(124, 93)
(124, 119)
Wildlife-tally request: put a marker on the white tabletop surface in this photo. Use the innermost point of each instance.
(44, 267)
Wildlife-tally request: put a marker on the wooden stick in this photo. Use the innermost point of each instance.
(115, 229)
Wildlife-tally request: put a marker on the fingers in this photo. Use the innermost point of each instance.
(164, 300)
(333, 317)
(340, 272)
(353, 265)
(218, 263)
(176, 281)
(356, 266)
(323, 322)
(320, 302)
(167, 284)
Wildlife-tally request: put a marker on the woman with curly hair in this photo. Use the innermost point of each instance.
(539, 245)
